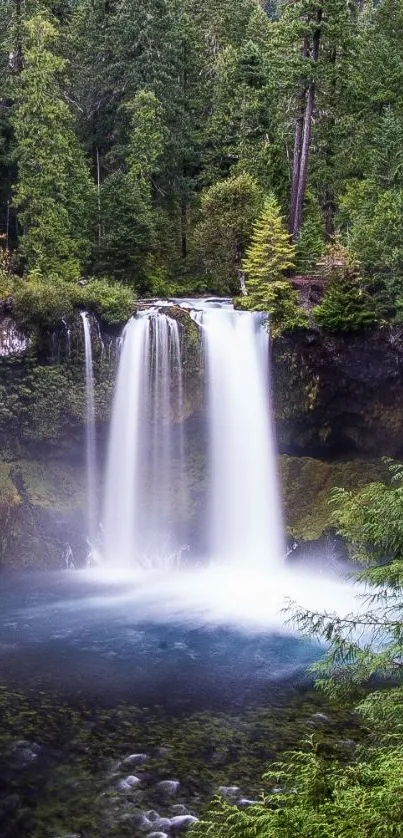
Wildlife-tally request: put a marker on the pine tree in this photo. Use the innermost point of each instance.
(54, 190)
(270, 252)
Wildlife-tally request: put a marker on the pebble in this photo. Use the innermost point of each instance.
(320, 718)
(168, 786)
(157, 835)
(153, 815)
(143, 824)
(228, 792)
(25, 752)
(162, 824)
(135, 759)
(182, 822)
(179, 809)
(129, 782)
(244, 802)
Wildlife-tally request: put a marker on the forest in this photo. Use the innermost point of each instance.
(154, 144)
(175, 148)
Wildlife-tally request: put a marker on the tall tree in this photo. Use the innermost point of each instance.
(317, 39)
(54, 189)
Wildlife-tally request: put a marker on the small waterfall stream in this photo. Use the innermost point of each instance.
(92, 522)
(147, 478)
(146, 449)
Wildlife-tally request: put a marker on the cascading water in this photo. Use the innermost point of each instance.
(146, 449)
(90, 435)
(245, 521)
(146, 472)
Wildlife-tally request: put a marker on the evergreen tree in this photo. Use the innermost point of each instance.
(270, 253)
(54, 191)
(127, 232)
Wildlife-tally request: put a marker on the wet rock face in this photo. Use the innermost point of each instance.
(42, 428)
(13, 341)
(307, 484)
(339, 394)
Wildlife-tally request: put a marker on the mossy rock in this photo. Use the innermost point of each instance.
(42, 511)
(307, 484)
(42, 390)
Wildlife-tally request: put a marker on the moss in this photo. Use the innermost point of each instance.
(42, 505)
(44, 403)
(10, 502)
(53, 484)
(82, 746)
(307, 485)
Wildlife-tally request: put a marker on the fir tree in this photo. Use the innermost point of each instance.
(270, 252)
(54, 190)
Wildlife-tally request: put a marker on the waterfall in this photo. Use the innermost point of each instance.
(146, 447)
(147, 480)
(245, 521)
(92, 524)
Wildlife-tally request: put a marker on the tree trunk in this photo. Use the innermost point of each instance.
(17, 57)
(296, 163)
(184, 221)
(303, 169)
(300, 162)
(329, 203)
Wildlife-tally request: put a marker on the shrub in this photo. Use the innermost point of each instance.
(40, 302)
(227, 214)
(346, 306)
(111, 301)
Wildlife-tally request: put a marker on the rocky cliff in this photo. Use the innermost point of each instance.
(338, 405)
(339, 395)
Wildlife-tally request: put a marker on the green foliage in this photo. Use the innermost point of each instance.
(227, 214)
(268, 256)
(320, 798)
(375, 218)
(346, 307)
(308, 485)
(372, 519)
(54, 191)
(320, 795)
(270, 252)
(146, 140)
(310, 245)
(170, 104)
(127, 232)
(369, 643)
(42, 303)
(111, 301)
